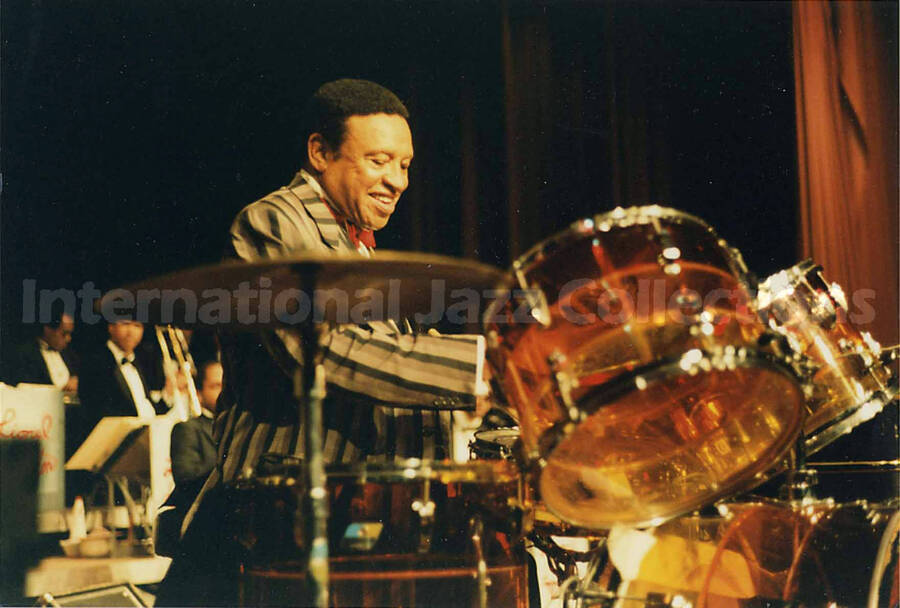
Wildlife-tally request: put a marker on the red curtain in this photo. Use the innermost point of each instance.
(845, 57)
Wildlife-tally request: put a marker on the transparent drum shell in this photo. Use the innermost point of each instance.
(607, 351)
(766, 554)
(850, 382)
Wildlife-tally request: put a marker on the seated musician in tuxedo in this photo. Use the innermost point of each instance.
(390, 393)
(193, 453)
(193, 449)
(113, 378)
(47, 358)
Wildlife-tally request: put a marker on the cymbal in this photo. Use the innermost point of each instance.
(324, 287)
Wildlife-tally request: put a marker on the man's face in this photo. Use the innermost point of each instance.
(367, 174)
(211, 386)
(126, 335)
(58, 338)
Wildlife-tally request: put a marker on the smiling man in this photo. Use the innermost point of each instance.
(358, 152)
(389, 393)
(366, 175)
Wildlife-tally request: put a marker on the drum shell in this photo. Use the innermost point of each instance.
(766, 553)
(626, 256)
(406, 581)
(849, 381)
(381, 552)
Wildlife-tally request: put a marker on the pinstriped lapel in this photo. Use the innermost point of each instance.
(320, 213)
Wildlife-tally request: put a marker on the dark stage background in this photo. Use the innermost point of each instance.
(133, 131)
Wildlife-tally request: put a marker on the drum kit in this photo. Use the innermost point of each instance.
(648, 387)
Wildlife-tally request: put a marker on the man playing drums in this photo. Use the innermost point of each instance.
(389, 392)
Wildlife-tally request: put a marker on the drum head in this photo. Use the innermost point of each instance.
(664, 441)
(505, 437)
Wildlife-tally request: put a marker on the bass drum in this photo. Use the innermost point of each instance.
(630, 352)
(850, 382)
(763, 554)
(405, 533)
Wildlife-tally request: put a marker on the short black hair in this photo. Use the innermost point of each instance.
(58, 309)
(329, 107)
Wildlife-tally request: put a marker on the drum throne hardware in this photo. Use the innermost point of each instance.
(401, 279)
(644, 382)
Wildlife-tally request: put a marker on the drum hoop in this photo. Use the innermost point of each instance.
(849, 419)
(727, 508)
(796, 276)
(668, 368)
(663, 369)
(401, 470)
(620, 217)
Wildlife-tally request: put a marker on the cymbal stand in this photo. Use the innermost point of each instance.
(309, 390)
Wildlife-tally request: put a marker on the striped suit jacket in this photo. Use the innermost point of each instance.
(389, 393)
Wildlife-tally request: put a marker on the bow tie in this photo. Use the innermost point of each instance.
(126, 361)
(357, 236)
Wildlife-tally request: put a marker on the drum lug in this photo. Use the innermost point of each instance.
(739, 267)
(493, 340)
(837, 292)
(424, 508)
(535, 298)
(786, 348)
(846, 346)
(822, 311)
(565, 383)
(538, 307)
(668, 258)
(872, 352)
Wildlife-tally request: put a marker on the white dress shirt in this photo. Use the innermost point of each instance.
(59, 371)
(144, 409)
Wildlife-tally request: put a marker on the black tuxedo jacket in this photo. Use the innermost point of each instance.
(103, 390)
(193, 452)
(28, 365)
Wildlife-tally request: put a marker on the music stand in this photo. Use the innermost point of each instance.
(118, 448)
(118, 445)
